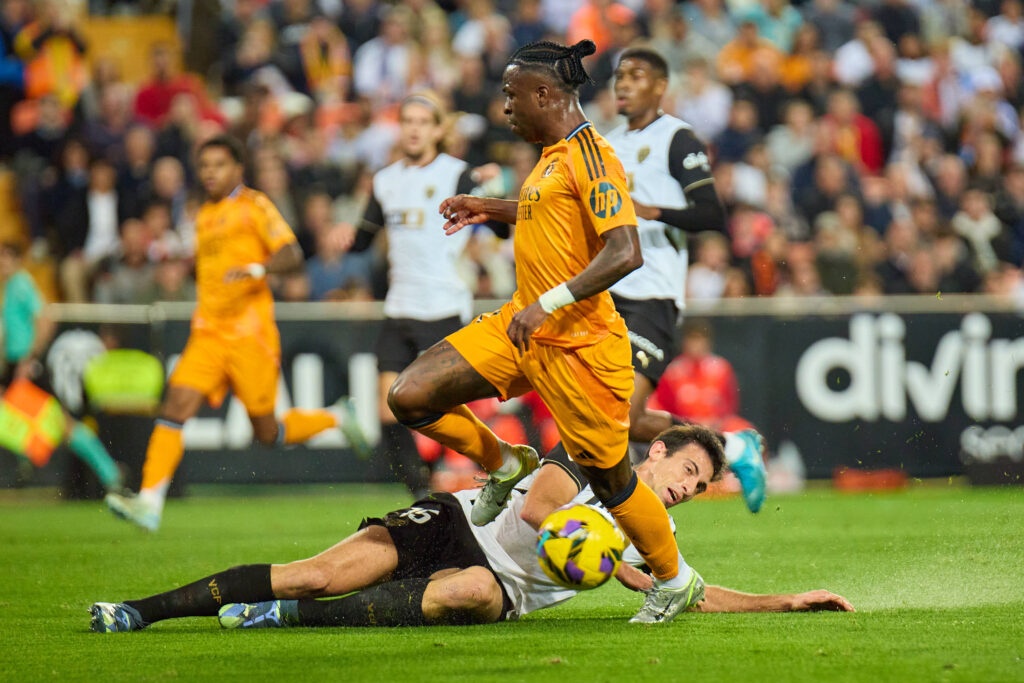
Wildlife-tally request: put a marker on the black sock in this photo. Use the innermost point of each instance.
(203, 598)
(396, 603)
(404, 458)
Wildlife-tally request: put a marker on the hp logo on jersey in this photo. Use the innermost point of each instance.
(605, 200)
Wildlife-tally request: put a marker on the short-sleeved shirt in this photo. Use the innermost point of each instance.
(575, 193)
(243, 228)
(22, 302)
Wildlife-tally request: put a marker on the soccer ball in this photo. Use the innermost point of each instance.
(578, 547)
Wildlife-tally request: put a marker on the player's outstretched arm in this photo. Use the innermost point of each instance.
(718, 599)
(463, 209)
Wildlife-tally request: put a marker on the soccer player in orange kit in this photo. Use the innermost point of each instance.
(575, 236)
(234, 341)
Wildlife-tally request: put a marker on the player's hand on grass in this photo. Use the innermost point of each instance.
(524, 324)
(821, 601)
(634, 579)
(649, 213)
(462, 210)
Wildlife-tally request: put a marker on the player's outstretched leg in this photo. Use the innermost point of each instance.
(744, 451)
(90, 450)
(428, 396)
(644, 519)
(467, 596)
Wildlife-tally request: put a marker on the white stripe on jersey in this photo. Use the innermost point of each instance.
(424, 283)
(510, 545)
(644, 156)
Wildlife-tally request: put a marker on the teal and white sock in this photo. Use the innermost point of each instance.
(90, 450)
(680, 580)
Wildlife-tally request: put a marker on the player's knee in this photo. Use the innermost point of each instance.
(404, 398)
(472, 590)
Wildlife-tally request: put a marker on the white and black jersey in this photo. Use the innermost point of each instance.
(427, 299)
(666, 166)
(510, 544)
(434, 533)
(423, 281)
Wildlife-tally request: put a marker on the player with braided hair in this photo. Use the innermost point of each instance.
(575, 236)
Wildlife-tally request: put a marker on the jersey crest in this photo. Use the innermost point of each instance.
(642, 154)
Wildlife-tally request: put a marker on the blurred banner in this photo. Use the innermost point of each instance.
(931, 386)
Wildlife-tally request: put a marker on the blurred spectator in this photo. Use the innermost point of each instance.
(164, 241)
(830, 182)
(986, 236)
(102, 238)
(154, 100)
(596, 20)
(853, 62)
(623, 32)
(168, 186)
(710, 19)
(360, 22)
(703, 102)
(170, 282)
(130, 272)
(1010, 209)
(836, 247)
(528, 26)
(798, 66)
(733, 143)
(697, 386)
(1007, 27)
(834, 20)
(763, 89)
(855, 136)
(133, 176)
(737, 59)
(897, 18)
(381, 65)
(877, 93)
(901, 242)
(705, 279)
(334, 274)
(776, 20)
(791, 143)
(54, 54)
(679, 43)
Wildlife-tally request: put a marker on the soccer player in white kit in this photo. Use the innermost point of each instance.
(670, 181)
(426, 564)
(426, 300)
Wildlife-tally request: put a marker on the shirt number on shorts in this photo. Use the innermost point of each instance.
(419, 515)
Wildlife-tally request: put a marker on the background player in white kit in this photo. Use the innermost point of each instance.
(670, 181)
(426, 564)
(426, 299)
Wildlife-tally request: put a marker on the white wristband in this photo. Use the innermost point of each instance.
(257, 270)
(556, 297)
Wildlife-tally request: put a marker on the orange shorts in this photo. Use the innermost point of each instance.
(249, 366)
(587, 389)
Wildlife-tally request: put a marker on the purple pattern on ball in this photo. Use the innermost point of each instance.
(607, 565)
(574, 572)
(571, 526)
(542, 551)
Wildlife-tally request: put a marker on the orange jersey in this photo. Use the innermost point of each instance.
(241, 229)
(575, 193)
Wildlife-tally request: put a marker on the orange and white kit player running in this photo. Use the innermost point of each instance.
(234, 342)
(575, 236)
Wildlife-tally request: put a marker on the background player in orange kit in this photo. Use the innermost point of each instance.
(234, 341)
(560, 335)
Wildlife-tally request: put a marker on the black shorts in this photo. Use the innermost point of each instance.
(652, 325)
(431, 535)
(401, 340)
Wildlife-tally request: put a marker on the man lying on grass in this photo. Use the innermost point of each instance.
(426, 564)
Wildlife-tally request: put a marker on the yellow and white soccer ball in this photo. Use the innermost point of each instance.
(578, 547)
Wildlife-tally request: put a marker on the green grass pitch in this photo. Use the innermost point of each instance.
(936, 574)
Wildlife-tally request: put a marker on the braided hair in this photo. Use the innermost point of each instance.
(562, 62)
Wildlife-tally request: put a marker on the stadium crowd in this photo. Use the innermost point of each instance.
(860, 148)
